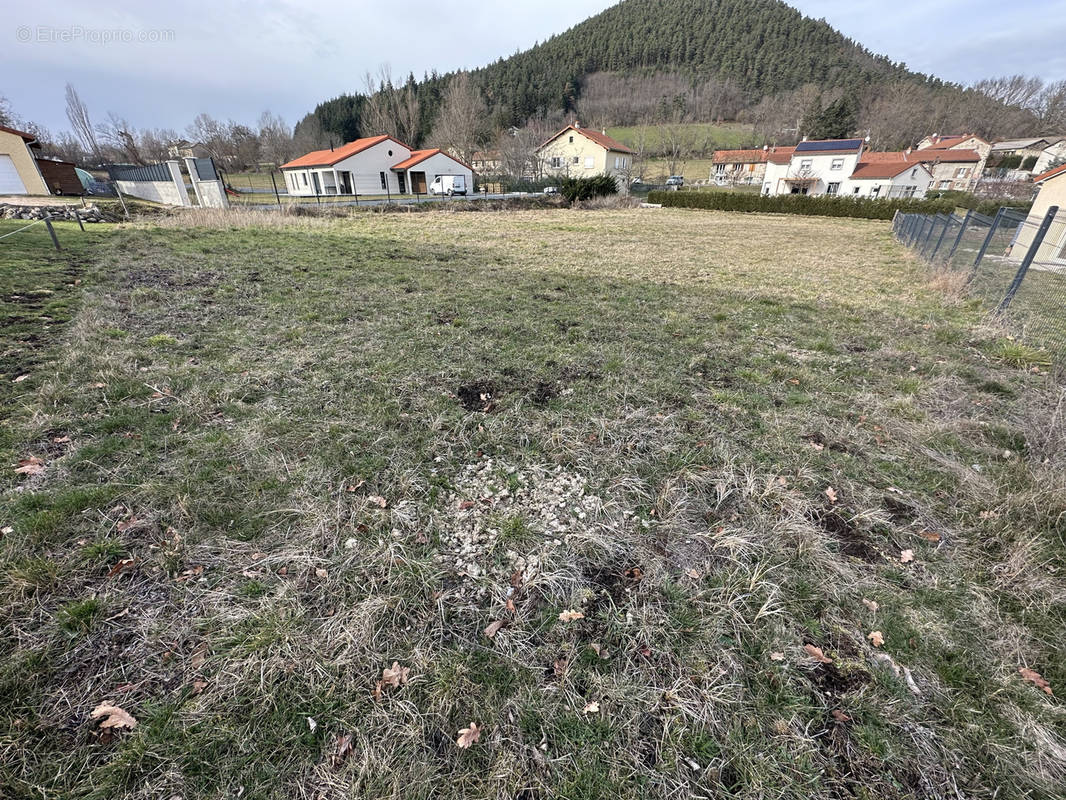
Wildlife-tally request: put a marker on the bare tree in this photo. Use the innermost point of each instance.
(78, 115)
(8, 117)
(118, 134)
(275, 139)
(389, 108)
(460, 125)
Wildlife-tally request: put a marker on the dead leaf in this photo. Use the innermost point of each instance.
(817, 446)
(354, 488)
(494, 627)
(20, 378)
(60, 439)
(559, 667)
(312, 724)
(876, 638)
(929, 536)
(600, 650)
(113, 717)
(817, 654)
(906, 556)
(777, 656)
(592, 708)
(198, 657)
(198, 686)
(831, 494)
(395, 676)
(123, 564)
(6, 530)
(1036, 679)
(342, 750)
(30, 466)
(283, 571)
(692, 574)
(871, 604)
(509, 605)
(840, 716)
(126, 524)
(466, 504)
(467, 736)
(321, 573)
(635, 574)
(378, 500)
(570, 616)
(99, 385)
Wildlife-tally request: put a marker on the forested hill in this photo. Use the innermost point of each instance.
(764, 46)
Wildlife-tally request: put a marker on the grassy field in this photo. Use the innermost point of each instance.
(648, 503)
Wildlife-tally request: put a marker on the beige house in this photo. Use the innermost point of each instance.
(19, 173)
(1052, 192)
(579, 152)
(961, 141)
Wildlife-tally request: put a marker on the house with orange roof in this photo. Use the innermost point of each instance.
(370, 166)
(742, 167)
(845, 167)
(582, 152)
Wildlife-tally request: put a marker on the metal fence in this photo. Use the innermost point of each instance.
(152, 172)
(205, 169)
(1016, 265)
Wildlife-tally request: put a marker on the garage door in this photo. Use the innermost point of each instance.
(10, 182)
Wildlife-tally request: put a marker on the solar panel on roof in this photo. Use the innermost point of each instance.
(836, 144)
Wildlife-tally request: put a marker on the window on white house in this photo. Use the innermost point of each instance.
(571, 140)
(833, 188)
(575, 160)
(908, 191)
(838, 163)
(944, 185)
(914, 172)
(875, 192)
(304, 176)
(719, 169)
(590, 162)
(384, 181)
(855, 190)
(557, 162)
(806, 163)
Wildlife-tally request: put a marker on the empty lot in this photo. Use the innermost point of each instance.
(681, 466)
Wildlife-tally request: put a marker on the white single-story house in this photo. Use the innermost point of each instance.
(890, 178)
(371, 166)
(418, 172)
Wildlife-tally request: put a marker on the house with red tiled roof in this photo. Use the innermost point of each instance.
(845, 167)
(742, 167)
(582, 152)
(374, 165)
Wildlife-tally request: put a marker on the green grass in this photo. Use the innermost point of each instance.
(281, 454)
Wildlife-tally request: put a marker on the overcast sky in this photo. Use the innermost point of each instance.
(235, 58)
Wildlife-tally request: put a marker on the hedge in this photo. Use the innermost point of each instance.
(816, 205)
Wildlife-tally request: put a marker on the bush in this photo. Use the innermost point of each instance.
(1029, 163)
(586, 188)
(819, 205)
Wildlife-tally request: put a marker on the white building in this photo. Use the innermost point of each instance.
(373, 166)
(842, 167)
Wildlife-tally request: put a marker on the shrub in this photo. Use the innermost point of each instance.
(819, 205)
(586, 188)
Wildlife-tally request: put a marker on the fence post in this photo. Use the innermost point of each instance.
(275, 183)
(1038, 240)
(920, 232)
(988, 238)
(77, 216)
(52, 231)
(962, 230)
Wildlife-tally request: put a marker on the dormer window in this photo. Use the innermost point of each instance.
(838, 163)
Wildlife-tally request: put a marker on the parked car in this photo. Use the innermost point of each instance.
(551, 190)
(449, 185)
(675, 181)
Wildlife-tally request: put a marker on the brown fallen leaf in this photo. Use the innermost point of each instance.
(871, 604)
(342, 749)
(127, 524)
(198, 686)
(1036, 679)
(876, 638)
(378, 500)
(355, 487)
(466, 505)
(929, 536)
(494, 627)
(831, 493)
(467, 736)
(123, 564)
(817, 445)
(591, 708)
(840, 716)
(395, 676)
(30, 466)
(817, 654)
(600, 650)
(60, 439)
(777, 656)
(559, 667)
(321, 573)
(691, 573)
(906, 556)
(113, 717)
(570, 616)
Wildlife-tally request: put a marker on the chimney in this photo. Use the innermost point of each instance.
(577, 125)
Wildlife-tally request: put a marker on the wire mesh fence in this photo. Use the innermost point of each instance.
(1016, 265)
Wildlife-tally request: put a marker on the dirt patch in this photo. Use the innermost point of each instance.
(477, 395)
(853, 541)
(543, 392)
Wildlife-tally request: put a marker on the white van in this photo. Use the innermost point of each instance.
(449, 185)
